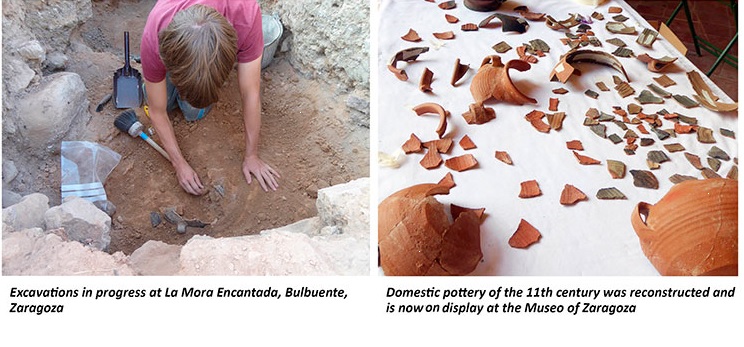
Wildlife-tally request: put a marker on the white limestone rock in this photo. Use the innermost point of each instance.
(28, 213)
(82, 221)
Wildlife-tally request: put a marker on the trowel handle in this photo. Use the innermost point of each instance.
(154, 145)
(127, 67)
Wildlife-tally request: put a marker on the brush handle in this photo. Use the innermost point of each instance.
(154, 145)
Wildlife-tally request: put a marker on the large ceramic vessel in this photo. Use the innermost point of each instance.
(483, 6)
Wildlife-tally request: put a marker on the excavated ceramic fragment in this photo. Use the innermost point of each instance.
(511, 23)
(624, 89)
(466, 143)
(646, 97)
(656, 64)
(664, 81)
(602, 86)
(733, 173)
(623, 52)
(492, 81)
(616, 168)
(522, 54)
(447, 35)
(411, 36)
(553, 102)
(571, 195)
(599, 129)
(684, 129)
(456, 210)
(615, 138)
(614, 9)
(604, 117)
(565, 24)
(413, 145)
(529, 189)
(469, 27)
(705, 135)
(564, 69)
(694, 160)
(718, 153)
(575, 144)
(705, 96)
(676, 178)
(584, 160)
(555, 120)
(645, 142)
(504, 157)
(406, 55)
(425, 82)
(611, 193)
(592, 113)
(620, 28)
(685, 101)
(477, 114)
(451, 19)
(527, 14)
(644, 179)
(448, 5)
(590, 93)
(647, 37)
(442, 145)
(620, 18)
(674, 147)
(642, 129)
(461, 163)
(661, 134)
(447, 181)
(431, 107)
(634, 108)
(598, 16)
(620, 125)
(659, 91)
(714, 163)
(535, 118)
(560, 91)
(459, 71)
(657, 156)
(524, 236)
(539, 45)
(431, 159)
(708, 173)
(501, 47)
(590, 122)
(728, 133)
(617, 42)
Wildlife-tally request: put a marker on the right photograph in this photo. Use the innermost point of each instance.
(557, 138)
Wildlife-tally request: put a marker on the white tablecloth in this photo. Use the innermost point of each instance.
(593, 237)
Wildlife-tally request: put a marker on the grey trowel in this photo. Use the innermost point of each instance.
(127, 82)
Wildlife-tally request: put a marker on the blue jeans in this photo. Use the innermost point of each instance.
(191, 113)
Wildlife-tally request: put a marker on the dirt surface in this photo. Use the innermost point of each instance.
(306, 135)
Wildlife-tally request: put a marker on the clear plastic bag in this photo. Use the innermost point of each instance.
(85, 167)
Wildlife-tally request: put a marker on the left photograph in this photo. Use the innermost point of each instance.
(185, 137)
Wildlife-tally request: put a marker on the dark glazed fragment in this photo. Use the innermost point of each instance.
(644, 179)
(406, 55)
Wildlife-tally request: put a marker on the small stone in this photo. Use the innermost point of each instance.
(644, 179)
(616, 168)
(611, 193)
(155, 219)
(106, 206)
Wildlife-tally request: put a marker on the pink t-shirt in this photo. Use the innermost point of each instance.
(244, 15)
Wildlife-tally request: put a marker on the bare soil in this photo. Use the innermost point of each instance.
(306, 135)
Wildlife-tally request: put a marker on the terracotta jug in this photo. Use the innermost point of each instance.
(693, 229)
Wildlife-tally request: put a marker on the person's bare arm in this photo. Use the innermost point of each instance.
(157, 99)
(249, 81)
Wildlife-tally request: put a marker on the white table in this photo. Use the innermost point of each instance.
(593, 237)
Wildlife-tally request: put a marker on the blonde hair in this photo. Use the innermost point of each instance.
(199, 49)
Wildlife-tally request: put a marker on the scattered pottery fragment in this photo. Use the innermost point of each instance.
(616, 79)
(647, 37)
(616, 168)
(466, 143)
(524, 236)
(664, 81)
(571, 195)
(623, 52)
(694, 160)
(535, 118)
(522, 54)
(529, 189)
(451, 19)
(448, 5)
(504, 157)
(614, 9)
(592, 113)
(416, 238)
(431, 159)
(634, 108)
(592, 94)
(411, 36)
(430, 107)
(477, 114)
(461, 163)
(676, 178)
(602, 86)
(611, 193)
(555, 120)
(728, 133)
(706, 97)
(620, 28)
(597, 16)
(620, 125)
(469, 27)
(524, 12)
(615, 138)
(575, 145)
(718, 153)
(661, 134)
(510, 23)
(456, 210)
(646, 97)
(553, 104)
(708, 173)
(539, 45)
(590, 122)
(442, 145)
(624, 89)
(657, 156)
(692, 230)
(604, 117)
(492, 80)
(733, 173)
(630, 149)
(447, 35)
(645, 142)
(425, 82)
(674, 147)
(447, 181)
(599, 129)
(659, 91)
(584, 160)
(685, 101)
(501, 47)
(459, 72)
(705, 135)
(483, 5)
(684, 129)
(564, 69)
(644, 179)
(560, 91)
(565, 24)
(413, 145)
(407, 55)
(617, 42)
(656, 64)
(620, 18)
(155, 219)
(642, 129)
(714, 164)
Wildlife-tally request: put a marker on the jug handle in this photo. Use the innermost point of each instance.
(639, 225)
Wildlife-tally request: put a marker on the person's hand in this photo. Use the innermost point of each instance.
(189, 180)
(265, 175)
